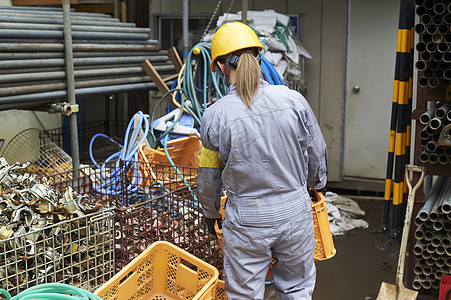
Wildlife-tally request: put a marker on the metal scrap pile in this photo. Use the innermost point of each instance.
(46, 235)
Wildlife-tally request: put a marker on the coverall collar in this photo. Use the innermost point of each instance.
(232, 87)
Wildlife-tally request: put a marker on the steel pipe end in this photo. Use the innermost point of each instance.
(433, 158)
(416, 284)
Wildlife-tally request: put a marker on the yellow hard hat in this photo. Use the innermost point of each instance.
(231, 37)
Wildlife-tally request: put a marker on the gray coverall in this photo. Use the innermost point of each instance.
(265, 157)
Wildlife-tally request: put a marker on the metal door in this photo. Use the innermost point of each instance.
(372, 35)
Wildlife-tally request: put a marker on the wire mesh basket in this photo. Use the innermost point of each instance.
(32, 145)
(79, 252)
(175, 216)
(145, 213)
(101, 148)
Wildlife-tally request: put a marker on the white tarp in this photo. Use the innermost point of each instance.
(344, 214)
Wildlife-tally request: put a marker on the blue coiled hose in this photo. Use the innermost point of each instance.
(270, 73)
(113, 177)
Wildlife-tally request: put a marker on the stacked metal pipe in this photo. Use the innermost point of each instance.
(435, 42)
(433, 247)
(434, 120)
(107, 56)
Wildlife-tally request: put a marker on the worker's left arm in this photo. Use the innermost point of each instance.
(209, 182)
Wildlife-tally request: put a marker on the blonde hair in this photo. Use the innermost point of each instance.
(248, 75)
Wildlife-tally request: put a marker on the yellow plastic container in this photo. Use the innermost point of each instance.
(220, 292)
(162, 271)
(324, 244)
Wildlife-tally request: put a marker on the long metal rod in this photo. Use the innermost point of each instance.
(56, 27)
(22, 14)
(48, 13)
(44, 55)
(43, 36)
(30, 100)
(79, 74)
(28, 33)
(78, 41)
(48, 10)
(424, 211)
(45, 47)
(31, 8)
(71, 85)
(18, 19)
(185, 28)
(79, 68)
(55, 62)
(244, 11)
(38, 88)
(446, 200)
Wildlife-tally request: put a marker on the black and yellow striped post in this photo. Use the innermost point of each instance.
(406, 147)
(398, 124)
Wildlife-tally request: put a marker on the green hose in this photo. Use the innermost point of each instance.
(52, 291)
(208, 78)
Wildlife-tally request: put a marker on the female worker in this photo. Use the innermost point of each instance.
(262, 143)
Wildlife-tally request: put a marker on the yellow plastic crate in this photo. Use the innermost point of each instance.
(220, 292)
(162, 271)
(324, 244)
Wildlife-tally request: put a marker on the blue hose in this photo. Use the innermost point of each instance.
(113, 177)
(270, 73)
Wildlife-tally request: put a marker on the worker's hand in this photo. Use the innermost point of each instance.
(312, 194)
(211, 224)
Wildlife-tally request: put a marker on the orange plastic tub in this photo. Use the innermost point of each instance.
(183, 152)
(162, 271)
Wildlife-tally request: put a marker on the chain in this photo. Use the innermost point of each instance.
(211, 19)
(228, 11)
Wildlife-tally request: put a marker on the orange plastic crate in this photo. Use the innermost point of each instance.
(162, 271)
(183, 152)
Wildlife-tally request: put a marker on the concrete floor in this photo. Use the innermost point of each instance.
(358, 269)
